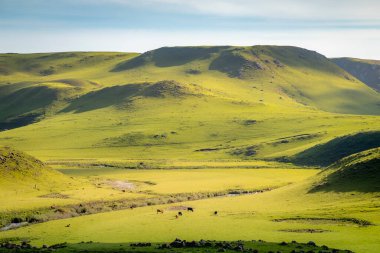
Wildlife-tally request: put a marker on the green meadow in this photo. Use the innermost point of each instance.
(263, 143)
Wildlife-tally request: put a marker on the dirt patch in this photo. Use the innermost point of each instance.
(121, 185)
(305, 230)
(55, 195)
(176, 208)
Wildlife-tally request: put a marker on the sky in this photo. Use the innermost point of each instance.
(335, 28)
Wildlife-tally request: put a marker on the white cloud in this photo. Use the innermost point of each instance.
(332, 43)
(288, 9)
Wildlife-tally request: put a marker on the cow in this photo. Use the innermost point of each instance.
(190, 209)
(160, 211)
(179, 213)
(215, 212)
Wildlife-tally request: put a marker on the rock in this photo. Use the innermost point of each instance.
(278, 63)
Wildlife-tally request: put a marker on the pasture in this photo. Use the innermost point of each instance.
(223, 131)
(340, 220)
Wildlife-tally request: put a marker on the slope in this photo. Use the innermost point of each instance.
(181, 103)
(305, 76)
(337, 148)
(359, 172)
(367, 71)
(20, 169)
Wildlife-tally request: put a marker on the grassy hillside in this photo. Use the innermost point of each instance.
(327, 153)
(27, 185)
(358, 172)
(367, 71)
(19, 167)
(179, 103)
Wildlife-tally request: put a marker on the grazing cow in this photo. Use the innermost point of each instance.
(216, 213)
(190, 209)
(179, 213)
(160, 211)
(176, 216)
(68, 225)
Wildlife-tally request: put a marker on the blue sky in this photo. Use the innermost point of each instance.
(332, 27)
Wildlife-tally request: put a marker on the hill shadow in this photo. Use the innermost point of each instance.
(25, 106)
(119, 94)
(336, 149)
(104, 98)
(169, 57)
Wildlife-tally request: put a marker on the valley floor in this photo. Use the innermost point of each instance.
(288, 212)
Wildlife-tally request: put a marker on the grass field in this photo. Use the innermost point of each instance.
(245, 217)
(100, 141)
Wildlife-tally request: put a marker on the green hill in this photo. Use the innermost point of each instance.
(20, 169)
(367, 71)
(205, 102)
(358, 172)
(337, 148)
(305, 76)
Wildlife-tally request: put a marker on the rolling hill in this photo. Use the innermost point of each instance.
(259, 102)
(21, 171)
(358, 172)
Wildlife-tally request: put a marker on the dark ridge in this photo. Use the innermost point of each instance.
(300, 58)
(135, 62)
(20, 121)
(169, 57)
(367, 72)
(334, 150)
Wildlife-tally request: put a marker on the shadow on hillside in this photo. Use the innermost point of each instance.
(336, 149)
(19, 122)
(117, 95)
(24, 106)
(104, 98)
(169, 57)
